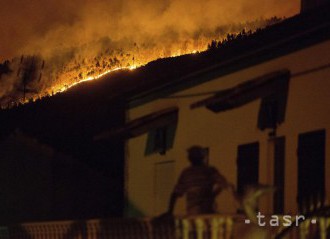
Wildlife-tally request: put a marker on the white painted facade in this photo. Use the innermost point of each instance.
(308, 109)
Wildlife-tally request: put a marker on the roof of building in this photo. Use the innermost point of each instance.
(92, 107)
(169, 75)
(288, 36)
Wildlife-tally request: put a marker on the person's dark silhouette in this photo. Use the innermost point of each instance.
(200, 183)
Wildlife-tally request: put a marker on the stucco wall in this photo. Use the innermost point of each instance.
(307, 110)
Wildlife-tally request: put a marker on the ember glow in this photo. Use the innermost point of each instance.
(95, 77)
(76, 75)
(131, 67)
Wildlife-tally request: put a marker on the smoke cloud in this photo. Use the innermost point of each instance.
(38, 26)
(60, 30)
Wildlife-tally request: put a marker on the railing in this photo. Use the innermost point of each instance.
(201, 227)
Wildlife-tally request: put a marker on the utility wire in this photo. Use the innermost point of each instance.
(298, 74)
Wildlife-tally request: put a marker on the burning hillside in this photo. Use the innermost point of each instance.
(48, 46)
(53, 45)
(32, 77)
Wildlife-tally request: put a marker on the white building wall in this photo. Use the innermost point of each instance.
(308, 109)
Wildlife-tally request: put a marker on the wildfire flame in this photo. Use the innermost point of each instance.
(131, 68)
(82, 67)
(95, 77)
(59, 89)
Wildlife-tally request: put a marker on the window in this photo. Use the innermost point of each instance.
(161, 139)
(311, 169)
(273, 107)
(247, 166)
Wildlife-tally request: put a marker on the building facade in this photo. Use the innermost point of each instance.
(266, 122)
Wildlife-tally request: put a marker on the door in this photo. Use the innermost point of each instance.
(247, 166)
(311, 169)
(164, 184)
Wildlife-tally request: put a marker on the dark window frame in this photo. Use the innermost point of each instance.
(311, 169)
(161, 139)
(279, 175)
(243, 166)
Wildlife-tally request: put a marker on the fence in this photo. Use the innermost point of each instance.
(201, 227)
